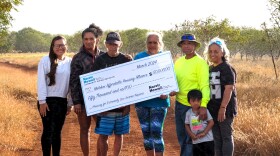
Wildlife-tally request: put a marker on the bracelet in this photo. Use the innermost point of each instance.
(223, 107)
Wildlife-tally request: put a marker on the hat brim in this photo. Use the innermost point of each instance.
(113, 42)
(197, 43)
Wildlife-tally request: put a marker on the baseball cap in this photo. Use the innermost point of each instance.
(113, 37)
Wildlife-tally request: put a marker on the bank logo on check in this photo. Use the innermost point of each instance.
(88, 80)
(155, 87)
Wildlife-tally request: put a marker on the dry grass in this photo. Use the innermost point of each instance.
(29, 60)
(256, 126)
(18, 113)
(25, 59)
(19, 119)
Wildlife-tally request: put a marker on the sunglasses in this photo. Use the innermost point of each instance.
(219, 43)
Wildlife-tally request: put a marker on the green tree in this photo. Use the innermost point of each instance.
(74, 42)
(8, 42)
(273, 33)
(133, 40)
(210, 28)
(30, 40)
(274, 7)
(173, 36)
(170, 39)
(204, 31)
(6, 6)
(253, 43)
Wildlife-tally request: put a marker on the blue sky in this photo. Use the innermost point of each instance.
(70, 16)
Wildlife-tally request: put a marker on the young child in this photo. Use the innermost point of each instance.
(117, 120)
(200, 131)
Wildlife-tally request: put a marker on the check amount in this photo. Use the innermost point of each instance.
(128, 83)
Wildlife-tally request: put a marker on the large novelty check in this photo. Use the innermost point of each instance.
(128, 83)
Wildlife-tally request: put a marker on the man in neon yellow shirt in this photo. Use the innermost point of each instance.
(192, 72)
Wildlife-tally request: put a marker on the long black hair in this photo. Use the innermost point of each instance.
(54, 61)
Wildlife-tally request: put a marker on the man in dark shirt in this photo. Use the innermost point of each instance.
(117, 120)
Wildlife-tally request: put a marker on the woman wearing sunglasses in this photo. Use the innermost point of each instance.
(223, 104)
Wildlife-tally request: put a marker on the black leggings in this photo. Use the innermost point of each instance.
(52, 125)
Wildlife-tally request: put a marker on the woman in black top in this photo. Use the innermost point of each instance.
(223, 105)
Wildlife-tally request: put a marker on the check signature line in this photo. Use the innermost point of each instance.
(147, 82)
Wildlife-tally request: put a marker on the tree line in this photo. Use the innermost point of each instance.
(243, 40)
(246, 41)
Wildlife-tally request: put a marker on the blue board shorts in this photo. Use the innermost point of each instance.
(112, 122)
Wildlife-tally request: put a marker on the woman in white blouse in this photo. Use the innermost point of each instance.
(54, 101)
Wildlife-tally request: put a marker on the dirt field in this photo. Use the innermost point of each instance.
(133, 142)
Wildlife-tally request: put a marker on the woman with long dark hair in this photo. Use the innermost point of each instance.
(82, 63)
(53, 94)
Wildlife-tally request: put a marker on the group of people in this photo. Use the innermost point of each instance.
(205, 103)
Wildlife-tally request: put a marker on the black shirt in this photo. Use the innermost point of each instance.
(219, 77)
(105, 61)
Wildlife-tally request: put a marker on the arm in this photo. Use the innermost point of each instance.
(191, 134)
(172, 93)
(69, 103)
(226, 98)
(204, 88)
(210, 124)
(187, 125)
(129, 57)
(42, 82)
(74, 85)
(229, 76)
(42, 87)
(126, 110)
